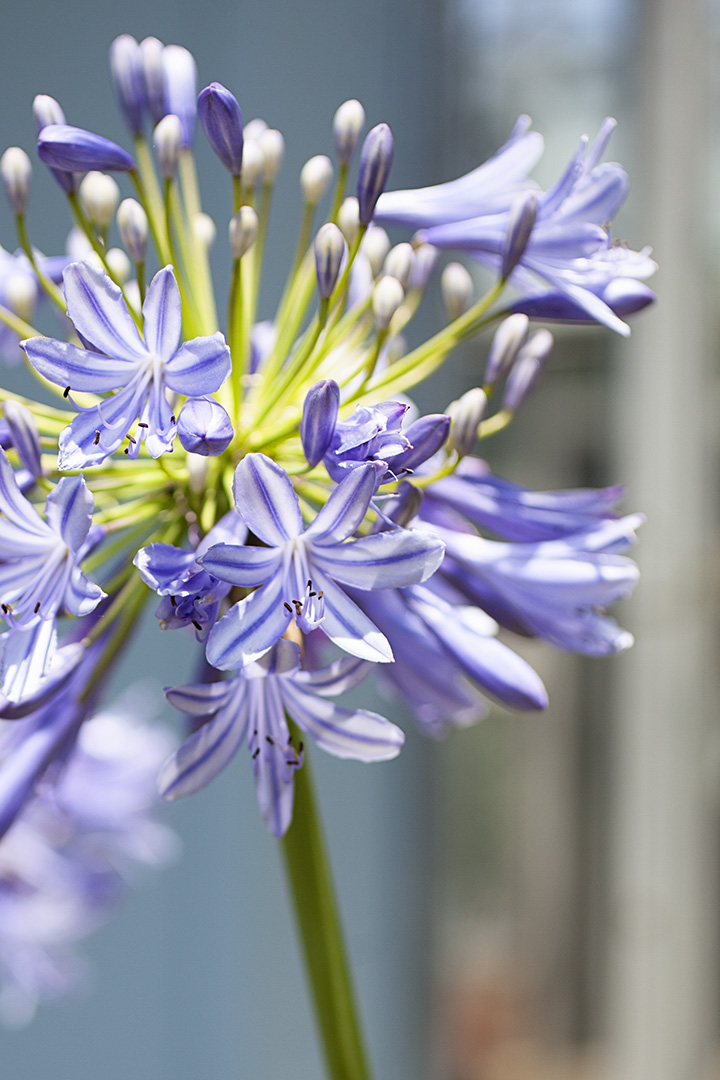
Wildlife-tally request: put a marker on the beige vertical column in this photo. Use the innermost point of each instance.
(663, 904)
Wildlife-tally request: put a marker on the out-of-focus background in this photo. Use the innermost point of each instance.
(534, 897)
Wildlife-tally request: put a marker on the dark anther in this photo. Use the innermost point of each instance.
(268, 738)
(141, 423)
(256, 753)
(196, 624)
(37, 607)
(4, 608)
(301, 747)
(309, 584)
(285, 604)
(173, 420)
(173, 601)
(96, 440)
(312, 594)
(320, 595)
(130, 439)
(66, 391)
(126, 450)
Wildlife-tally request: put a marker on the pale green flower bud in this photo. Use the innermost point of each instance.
(168, 139)
(388, 295)
(99, 195)
(315, 178)
(375, 246)
(348, 122)
(272, 145)
(204, 229)
(349, 219)
(132, 225)
(466, 414)
(399, 263)
(16, 170)
(243, 231)
(456, 286)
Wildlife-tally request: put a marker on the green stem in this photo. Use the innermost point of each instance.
(318, 922)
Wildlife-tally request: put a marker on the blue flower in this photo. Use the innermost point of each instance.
(443, 648)
(117, 358)
(39, 560)
(251, 708)
(190, 595)
(553, 589)
(73, 149)
(491, 188)
(297, 571)
(569, 247)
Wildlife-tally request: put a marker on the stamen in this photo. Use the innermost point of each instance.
(141, 423)
(96, 440)
(173, 601)
(255, 753)
(66, 391)
(37, 607)
(196, 624)
(285, 604)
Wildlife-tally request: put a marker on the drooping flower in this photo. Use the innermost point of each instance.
(489, 189)
(569, 248)
(251, 708)
(300, 572)
(117, 358)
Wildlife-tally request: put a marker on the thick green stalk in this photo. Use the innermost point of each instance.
(318, 922)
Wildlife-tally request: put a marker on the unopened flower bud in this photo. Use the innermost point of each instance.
(404, 506)
(320, 412)
(73, 149)
(120, 265)
(16, 170)
(46, 111)
(315, 178)
(426, 256)
(132, 225)
(151, 56)
(272, 145)
(349, 219)
(126, 68)
(204, 427)
(527, 369)
(24, 435)
(204, 229)
(181, 89)
(243, 231)
(388, 295)
(348, 122)
(375, 162)
(99, 195)
(427, 434)
(21, 294)
(521, 222)
(375, 246)
(466, 414)
(329, 252)
(456, 286)
(254, 128)
(221, 118)
(167, 139)
(399, 263)
(253, 162)
(509, 336)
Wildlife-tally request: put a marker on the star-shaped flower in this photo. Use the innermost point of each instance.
(117, 358)
(298, 572)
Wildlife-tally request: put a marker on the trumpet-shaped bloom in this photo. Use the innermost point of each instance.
(300, 572)
(116, 357)
(491, 188)
(569, 247)
(251, 708)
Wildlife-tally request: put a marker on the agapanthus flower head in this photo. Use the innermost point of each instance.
(141, 370)
(251, 708)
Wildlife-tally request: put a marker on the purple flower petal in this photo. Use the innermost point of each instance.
(80, 369)
(339, 677)
(250, 628)
(349, 627)
(163, 315)
(387, 560)
(345, 733)
(347, 505)
(266, 500)
(209, 749)
(69, 509)
(242, 565)
(199, 366)
(99, 313)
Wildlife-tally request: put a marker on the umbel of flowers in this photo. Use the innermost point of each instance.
(269, 480)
